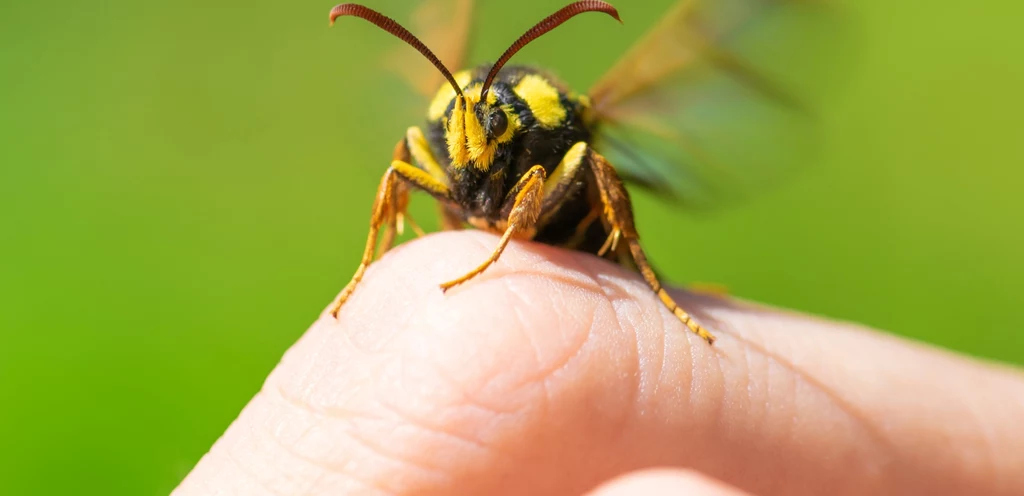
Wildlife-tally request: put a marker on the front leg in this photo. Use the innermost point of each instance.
(389, 208)
(419, 149)
(522, 219)
(532, 202)
(618, 211)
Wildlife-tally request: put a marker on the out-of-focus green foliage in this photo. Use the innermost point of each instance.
(184, 186)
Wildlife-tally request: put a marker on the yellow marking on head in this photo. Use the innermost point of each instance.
(466, 136)
(543, 100)
(476, 137)
(455, 134)
(446, 94)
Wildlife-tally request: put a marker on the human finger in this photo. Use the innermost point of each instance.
(554, 371)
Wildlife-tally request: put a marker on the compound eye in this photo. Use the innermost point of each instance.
(498, 124)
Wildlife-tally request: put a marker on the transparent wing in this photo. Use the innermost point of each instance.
(444, 26)
(714, 103)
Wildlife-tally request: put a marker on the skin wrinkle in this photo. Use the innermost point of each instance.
(318, 479)
(985, 439)
(381, 340)
(466, 440)
(348, 416)
(306, 373)
(376, 484)
(464, 396)
(778, 394)
(547, 373)
(535, 378)
(455, 390)
(621, 290)
(538, 359)
(705, 366)
(345, 468)
(637, 389)
(259, 437)
(574, 350)
(722, 402)
(319, 411)
(289, 448)
(613, 290)
(903, 453)
(508, 280)
(659, 376)
(472, 400)
(403, 462)
(352, 344)
(794, 373)
(792, 383)
(544, 374)
(591, 323)
(834, 397)
(444, 432)
(400, 458)
(542, 378)
(702, 381)
(1005, 484)
(245, 470)
(746, 350)
(323, 465)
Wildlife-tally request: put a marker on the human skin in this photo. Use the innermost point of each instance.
(554, 372)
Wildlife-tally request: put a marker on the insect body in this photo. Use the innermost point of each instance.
(533, 122)
(513, 151)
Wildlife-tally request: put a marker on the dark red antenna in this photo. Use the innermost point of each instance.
(542, 27)
(392, 26)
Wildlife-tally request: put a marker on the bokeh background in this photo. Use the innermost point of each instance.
(183, 187)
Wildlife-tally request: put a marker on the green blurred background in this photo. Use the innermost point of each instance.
(185, 185)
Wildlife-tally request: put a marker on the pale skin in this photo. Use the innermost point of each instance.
(555, 372)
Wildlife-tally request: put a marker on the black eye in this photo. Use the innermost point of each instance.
(498, 124)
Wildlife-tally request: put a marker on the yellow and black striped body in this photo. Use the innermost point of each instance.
(545, 120)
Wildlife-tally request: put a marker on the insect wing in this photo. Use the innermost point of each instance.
(444, 26)
(704, 108)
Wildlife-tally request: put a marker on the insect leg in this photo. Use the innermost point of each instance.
(388, 207)
(521, 220)
(419, 148)
(618, 211)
